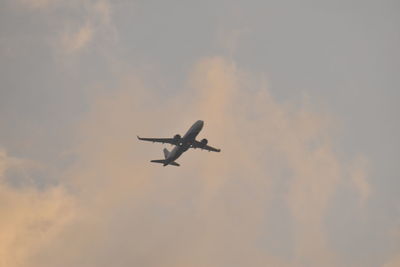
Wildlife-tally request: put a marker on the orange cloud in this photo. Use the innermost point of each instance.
(31, 218)
(75, 41)
(255, 128)
(359, 179)
(215, 209)
(393, 262)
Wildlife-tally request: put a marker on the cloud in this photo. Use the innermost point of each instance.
(395, 261)
(259, 129)
(38, 4)
(103, 11)
(214, 210)
(394, 258)
(85, 23)
(191, 216)
(359, 179)
(73, 42)
(31, 218)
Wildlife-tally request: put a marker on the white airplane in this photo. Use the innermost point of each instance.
(181, 144)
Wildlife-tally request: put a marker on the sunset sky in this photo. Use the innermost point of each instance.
(301, 96)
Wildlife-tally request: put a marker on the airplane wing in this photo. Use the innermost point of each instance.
(197, 144)
(171, 141)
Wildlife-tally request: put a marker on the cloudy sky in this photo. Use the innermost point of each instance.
(301, 96)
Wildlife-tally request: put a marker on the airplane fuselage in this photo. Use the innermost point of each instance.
(185, 142)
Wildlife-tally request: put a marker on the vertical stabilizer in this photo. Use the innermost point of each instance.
(166, 153)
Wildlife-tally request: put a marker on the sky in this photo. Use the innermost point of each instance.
(301, 96)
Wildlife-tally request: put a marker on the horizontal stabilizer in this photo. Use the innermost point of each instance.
(163, 162)
(158, 160)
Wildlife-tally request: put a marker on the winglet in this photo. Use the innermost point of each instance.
(138, 137)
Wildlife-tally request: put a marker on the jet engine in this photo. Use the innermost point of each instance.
(177, 138)
(204, 142)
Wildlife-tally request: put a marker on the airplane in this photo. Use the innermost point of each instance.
(182, 144)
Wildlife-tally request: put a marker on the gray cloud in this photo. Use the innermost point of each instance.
(285, 191)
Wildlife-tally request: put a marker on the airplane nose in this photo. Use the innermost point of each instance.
(200, 123)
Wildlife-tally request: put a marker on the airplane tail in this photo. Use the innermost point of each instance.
(163, 161)
(166, 153)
